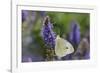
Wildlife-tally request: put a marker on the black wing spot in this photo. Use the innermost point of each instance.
(66, 47)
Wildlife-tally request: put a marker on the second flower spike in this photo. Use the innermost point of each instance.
(75, 34)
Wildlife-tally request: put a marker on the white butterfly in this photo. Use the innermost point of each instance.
(62, 47)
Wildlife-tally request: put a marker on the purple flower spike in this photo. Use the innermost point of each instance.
(32, 58)
(43, 13)
(47, 33)
(25, 14)
(75, 33)
(87, 55)
(28, 16)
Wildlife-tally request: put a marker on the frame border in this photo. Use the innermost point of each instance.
(17, 27)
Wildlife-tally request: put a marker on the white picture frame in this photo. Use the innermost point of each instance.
(18, 66)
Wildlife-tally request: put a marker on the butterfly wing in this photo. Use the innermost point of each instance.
(70, 48)
(63, 47)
